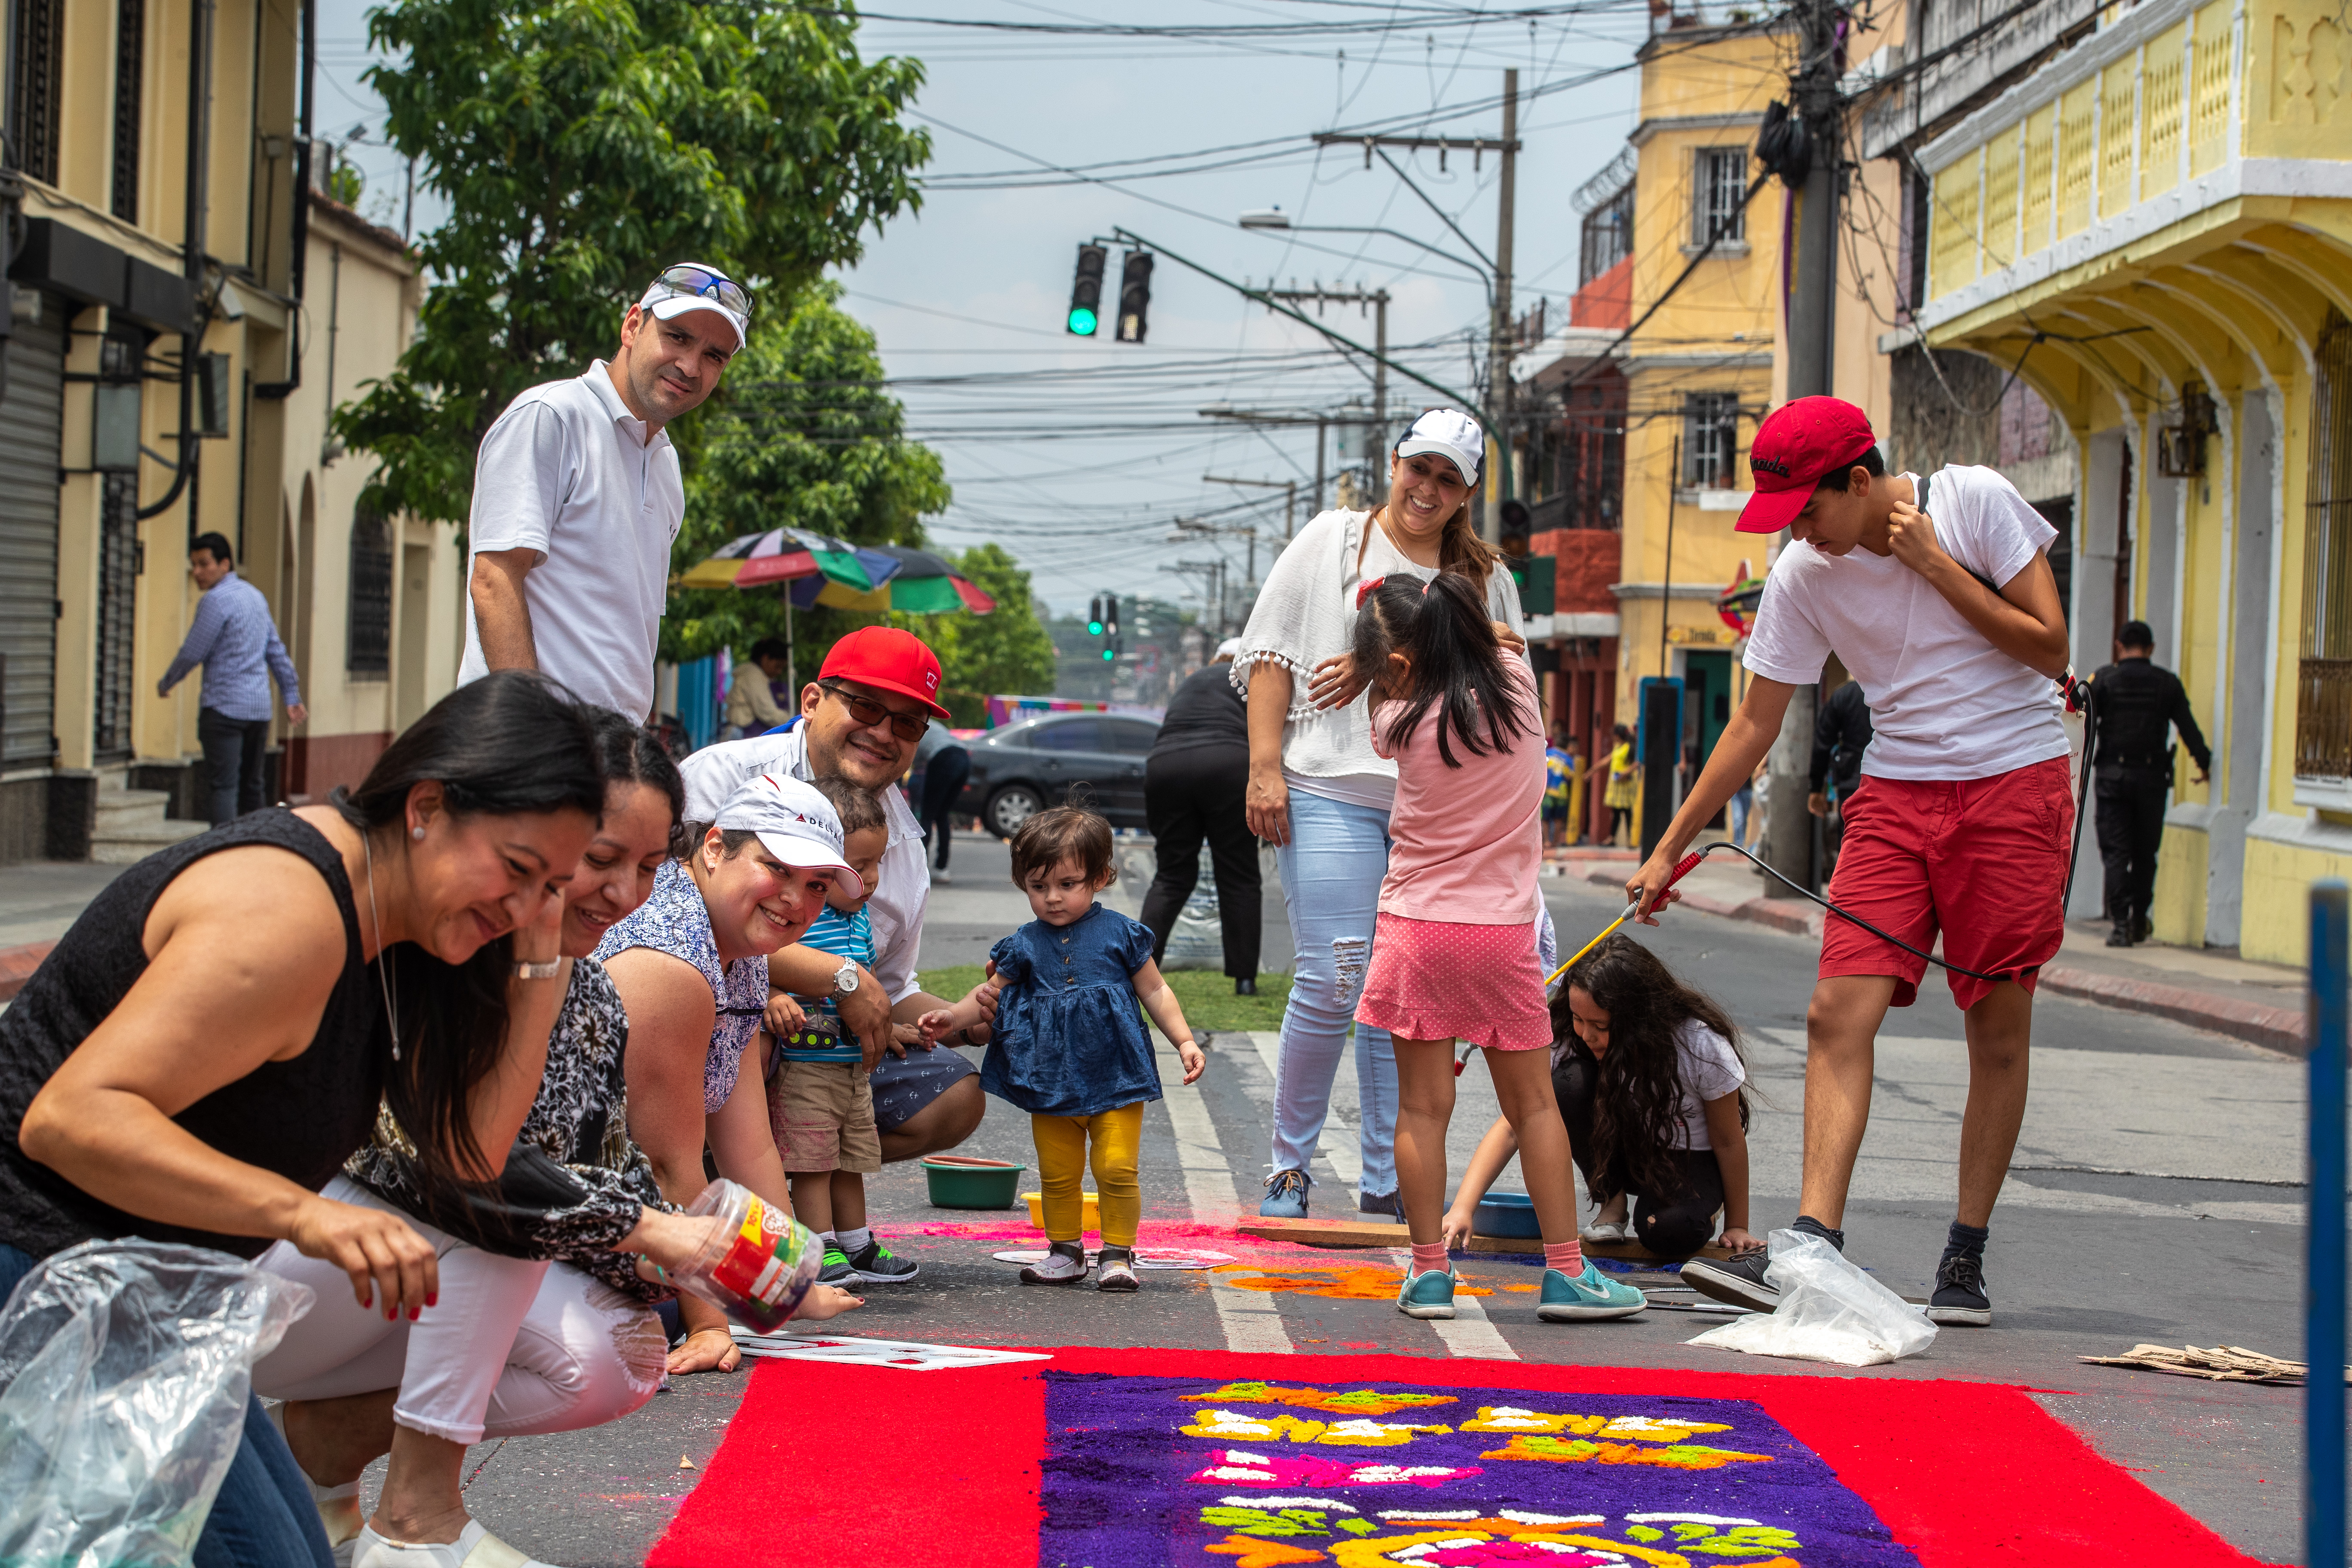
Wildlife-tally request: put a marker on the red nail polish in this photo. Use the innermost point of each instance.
(433, 1299)
(414, 1314)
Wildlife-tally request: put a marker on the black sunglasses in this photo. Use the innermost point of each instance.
(869, 714)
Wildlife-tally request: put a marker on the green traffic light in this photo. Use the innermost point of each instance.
(1094, 628)
(1111, 653)
(1082, 321)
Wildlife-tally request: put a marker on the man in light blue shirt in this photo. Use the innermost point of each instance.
(233, 639)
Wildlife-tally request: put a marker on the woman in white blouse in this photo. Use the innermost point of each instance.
(1322, 796)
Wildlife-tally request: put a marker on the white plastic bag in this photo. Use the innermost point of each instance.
(125, 1367)
(1830, 1310)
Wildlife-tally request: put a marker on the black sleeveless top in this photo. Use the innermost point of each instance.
(302, 1119)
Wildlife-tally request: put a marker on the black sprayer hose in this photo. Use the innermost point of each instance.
(2090, 733)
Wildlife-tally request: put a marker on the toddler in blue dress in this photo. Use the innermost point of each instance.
(1068, 1046)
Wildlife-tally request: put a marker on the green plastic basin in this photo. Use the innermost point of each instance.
(960, 1182)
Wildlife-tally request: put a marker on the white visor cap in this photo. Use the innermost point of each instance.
(662, 305)
(1450, 434)
(795, 822)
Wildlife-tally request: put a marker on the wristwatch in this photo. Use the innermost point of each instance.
(845, 979)
(525, 970)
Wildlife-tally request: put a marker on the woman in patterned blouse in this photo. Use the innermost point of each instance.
(545, 1320)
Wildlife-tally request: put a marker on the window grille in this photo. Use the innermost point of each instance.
(2323, 709)
(1710, 439)
(1719, 194)
(369, 649)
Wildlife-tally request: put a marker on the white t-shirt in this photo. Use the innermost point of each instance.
(1710, 1069)
(1944, 702)
(567, 471)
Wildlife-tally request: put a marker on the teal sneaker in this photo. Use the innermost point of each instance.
(1427, 1295)
(1588, 1295)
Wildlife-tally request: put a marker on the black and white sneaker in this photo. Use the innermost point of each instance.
(1065, 1264)
(1738, 1279)
(877, 1264)
(1959, 1295)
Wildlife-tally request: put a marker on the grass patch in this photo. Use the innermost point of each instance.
(1205, 994)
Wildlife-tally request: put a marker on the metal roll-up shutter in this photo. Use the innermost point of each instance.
(30, 421)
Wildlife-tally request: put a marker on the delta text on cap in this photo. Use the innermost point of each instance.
(793, 822)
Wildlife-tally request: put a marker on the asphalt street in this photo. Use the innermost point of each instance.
(2155, 1197)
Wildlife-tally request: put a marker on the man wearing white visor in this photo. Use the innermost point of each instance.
(577, 498)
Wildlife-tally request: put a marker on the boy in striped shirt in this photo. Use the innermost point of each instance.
(820, 1103)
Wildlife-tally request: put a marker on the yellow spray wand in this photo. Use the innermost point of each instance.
(1682, 869)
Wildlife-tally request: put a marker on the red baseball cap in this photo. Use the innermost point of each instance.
(888, 659)
(1795, 449)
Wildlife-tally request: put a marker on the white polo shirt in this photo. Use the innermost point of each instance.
(567, 471)
(902, 885)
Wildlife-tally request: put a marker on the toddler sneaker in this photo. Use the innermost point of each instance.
(835, 1268)
(1429, 1294)
(1118, 1264)
(474, 1548)
(1586, 1297)
(1285, 1195)
(877, 1265)
(1065, 1264)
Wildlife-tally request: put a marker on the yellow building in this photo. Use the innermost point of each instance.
(182, 313)
(1698, 374)
(2153, 225)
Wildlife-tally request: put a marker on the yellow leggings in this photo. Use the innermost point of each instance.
(1062, 1168)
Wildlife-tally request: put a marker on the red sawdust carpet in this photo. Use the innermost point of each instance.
(847, 1466)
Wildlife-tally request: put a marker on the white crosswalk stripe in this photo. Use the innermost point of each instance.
(1251, 1320)
(1470, 1332)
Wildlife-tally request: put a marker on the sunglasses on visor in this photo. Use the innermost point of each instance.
(701, 283)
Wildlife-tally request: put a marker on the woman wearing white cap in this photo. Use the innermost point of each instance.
(1321, 795)
(691, 969)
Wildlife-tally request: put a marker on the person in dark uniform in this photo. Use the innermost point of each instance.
(1194, 788)
(2133, 701)
(1840, 733)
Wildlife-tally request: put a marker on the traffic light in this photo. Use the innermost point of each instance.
(1095, 617)
(1134, 296)
(1085, 292)
(1107, 628)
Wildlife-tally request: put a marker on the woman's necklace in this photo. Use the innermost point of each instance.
(1388, 531)
(383, 948)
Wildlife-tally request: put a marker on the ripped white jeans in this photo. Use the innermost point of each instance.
(511, 1347)
(1331, 872)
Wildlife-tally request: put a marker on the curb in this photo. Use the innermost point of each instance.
(2257, 1022)
(16, 966)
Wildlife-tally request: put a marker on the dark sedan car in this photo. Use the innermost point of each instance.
(1030, 765)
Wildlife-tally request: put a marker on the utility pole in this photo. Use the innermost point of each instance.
(1289, 509)
(1498, 349)
(1212, 576)
(1812, 299)
(1376, 442)
(1193, 525)
(1322, 423)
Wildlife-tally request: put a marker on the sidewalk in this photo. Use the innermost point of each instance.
(2260, 1003)
(38, 900)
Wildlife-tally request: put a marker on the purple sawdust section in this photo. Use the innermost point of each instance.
(1125, 1486)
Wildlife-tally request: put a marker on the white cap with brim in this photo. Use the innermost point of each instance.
(664, 306)
(1450, 434)
(795, 822)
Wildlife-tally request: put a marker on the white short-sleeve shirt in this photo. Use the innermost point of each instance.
(567, 471)
(1709, 1069)
(1944, 702)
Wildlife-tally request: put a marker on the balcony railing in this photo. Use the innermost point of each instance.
(2323, 719)
(2176, 107)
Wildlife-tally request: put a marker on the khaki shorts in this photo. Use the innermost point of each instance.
(823, 1117)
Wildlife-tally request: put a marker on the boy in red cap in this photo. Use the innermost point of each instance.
(1950, 619)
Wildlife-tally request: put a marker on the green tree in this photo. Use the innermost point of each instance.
(802, 434)
(582, 145)
(1006, 652)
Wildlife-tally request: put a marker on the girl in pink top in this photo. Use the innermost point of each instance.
(1454, 955)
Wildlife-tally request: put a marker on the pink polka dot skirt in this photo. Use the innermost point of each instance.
(1437, 980)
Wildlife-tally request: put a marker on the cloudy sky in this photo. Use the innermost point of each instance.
(1078, 455)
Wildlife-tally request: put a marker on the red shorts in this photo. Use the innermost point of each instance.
(1981, 860)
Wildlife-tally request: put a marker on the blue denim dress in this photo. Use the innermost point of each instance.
(1069, 1038)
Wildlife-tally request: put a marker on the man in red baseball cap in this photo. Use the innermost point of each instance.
(873, 699)
(1936, 594)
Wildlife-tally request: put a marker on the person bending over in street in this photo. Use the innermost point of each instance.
(233, 637)
(820, 1106)
(1649, 1080)
(860, 721)
(2134, 702)
(1195, 787)
(1962, 820)
(577, 499)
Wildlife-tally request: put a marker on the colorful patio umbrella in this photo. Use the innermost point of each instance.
(819, 569)
(922, 583)
(753, 558)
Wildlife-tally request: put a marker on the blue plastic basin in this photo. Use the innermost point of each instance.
(1511, 1215)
